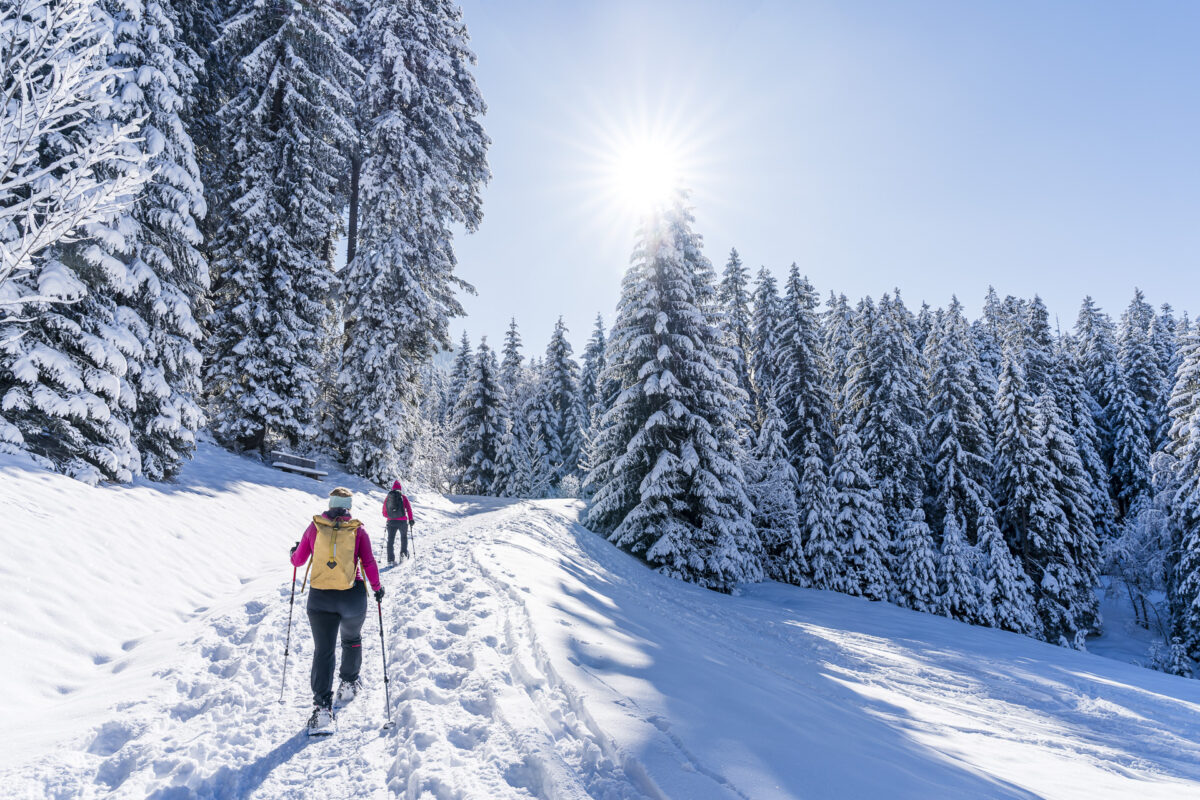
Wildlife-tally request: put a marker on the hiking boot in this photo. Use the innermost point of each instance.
(347, 691)
(321, 721)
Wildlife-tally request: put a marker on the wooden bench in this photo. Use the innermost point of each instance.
(297, 464)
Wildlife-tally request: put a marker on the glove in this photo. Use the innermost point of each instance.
(292, 552)
(379, 595)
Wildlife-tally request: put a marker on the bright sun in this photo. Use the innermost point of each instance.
(646, 172)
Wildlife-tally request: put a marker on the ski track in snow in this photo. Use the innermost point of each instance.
(477, 712)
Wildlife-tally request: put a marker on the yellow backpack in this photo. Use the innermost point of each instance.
(333, 562)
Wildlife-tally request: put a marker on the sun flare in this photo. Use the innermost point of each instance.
(646, 172)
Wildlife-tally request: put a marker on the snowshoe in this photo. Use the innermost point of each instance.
(347, 691)
(321, 723)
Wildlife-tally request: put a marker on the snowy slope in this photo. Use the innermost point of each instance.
(528, 659)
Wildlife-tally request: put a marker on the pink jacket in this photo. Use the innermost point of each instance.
(408, 515)
(362, 552)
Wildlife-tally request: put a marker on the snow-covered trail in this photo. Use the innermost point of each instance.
(530, 659)
(475, 715)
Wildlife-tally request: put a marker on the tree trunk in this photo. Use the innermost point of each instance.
(352, 234)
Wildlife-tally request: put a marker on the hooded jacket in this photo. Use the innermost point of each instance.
(407, 515)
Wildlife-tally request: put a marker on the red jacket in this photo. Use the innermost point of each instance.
(407, 516)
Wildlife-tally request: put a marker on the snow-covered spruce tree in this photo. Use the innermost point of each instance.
(479, 426)
(460, 373)
(428, 457)
(988, 336)
(556, 417)
(885, 399)
(959, 446)
(776, 515)
(1038, 342)
(924, 323)
(665, 483)
(1184, 445)
(1098, 361)
(1130, 471)
(837, 334)
(288, 126)
(589, 375)
(958, 593)
(764, 326)
(733, 296)
(917, 566)
(1076, 405)
(157, 238)
(420, 169)
(859, 524)
(66, 160)
(1031, 514)
(70, 372)
(1073, 487)
(1164, 338)
(1005, 592)
(513, 469)
(1140, 364)
(801, 371)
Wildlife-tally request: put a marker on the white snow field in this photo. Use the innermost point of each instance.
(143, 641)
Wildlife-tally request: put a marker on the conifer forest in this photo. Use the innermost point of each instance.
(236, 220)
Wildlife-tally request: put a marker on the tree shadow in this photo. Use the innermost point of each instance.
(798, 706)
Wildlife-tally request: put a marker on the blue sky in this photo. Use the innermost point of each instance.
(939, 147)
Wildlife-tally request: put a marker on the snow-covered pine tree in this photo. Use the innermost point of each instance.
(885, 399)
(589, 375)
(958, 592)
(1072, 485)
(1039, 346)
(764, 336)
(157, 238)
(1130, 471)
(917, 566)
(557, 418)
(513, 469)
(68, 371)
(423, 165)
(1164, 339)
(1140, 364)
(838, 327)
(733, 295)
(479, 425)
(776, 514)
(288, 127)
(1184, 445)
(801, 372)
(958, 443)
(66, 160)
(859, 524)
(1076, 405)
(1094, 333)
(665, 483)
(1030, 511)
(1005, 591)
(460, 373)
(989, 338)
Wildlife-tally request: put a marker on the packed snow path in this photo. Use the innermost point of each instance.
(530, 659)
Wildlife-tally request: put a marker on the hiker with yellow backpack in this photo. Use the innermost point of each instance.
(340, 553)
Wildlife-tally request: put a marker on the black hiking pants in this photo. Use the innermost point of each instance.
(331, 612)
(394, 525)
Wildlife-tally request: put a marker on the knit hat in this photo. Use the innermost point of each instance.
(340, 498)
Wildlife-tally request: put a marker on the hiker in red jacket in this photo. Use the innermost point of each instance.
(399, 517)
(337, 602)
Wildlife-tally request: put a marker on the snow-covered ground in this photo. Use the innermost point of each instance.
(144, 631)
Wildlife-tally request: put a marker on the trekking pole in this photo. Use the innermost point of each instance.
(387, 693)
(288, 641)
